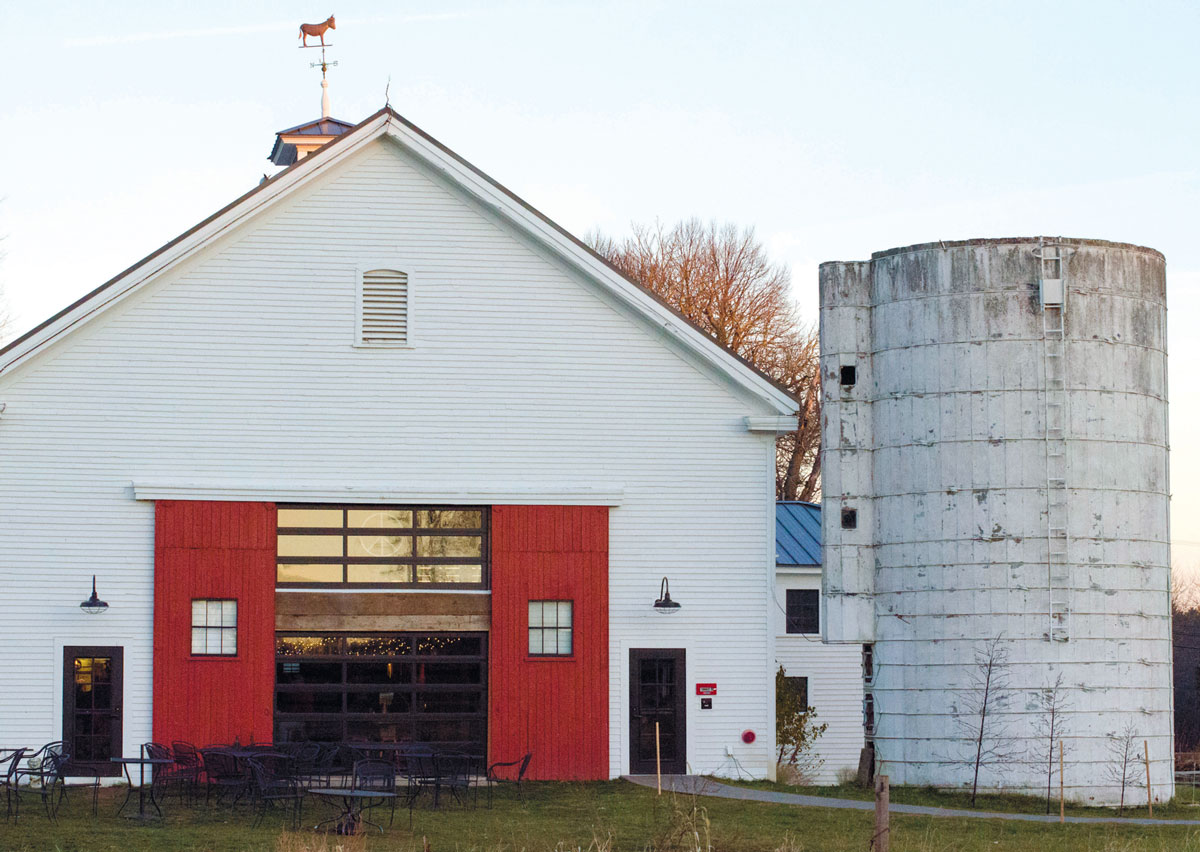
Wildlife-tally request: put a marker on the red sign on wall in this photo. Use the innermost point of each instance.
(706, 689)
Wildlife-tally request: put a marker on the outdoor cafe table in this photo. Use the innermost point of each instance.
(353, 800)
(435, 780)
(141, 763)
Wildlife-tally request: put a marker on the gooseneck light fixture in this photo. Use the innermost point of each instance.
(664, 605)
(93, 605)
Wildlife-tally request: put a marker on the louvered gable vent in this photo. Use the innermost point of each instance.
(384, 318)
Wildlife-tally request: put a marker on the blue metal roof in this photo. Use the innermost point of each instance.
(797, 533)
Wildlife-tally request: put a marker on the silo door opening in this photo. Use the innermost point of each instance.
(657, 714)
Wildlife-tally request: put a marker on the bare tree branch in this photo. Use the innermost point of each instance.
(1123, 767)
(721, 279)
(978, 715)
(1052, 705)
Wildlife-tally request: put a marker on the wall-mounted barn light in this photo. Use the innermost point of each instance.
(664, 605)
(93, 605)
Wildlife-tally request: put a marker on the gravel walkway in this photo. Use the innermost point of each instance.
(701, 786)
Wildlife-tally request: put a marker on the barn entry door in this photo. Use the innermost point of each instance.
(92, 701)
(657, 682)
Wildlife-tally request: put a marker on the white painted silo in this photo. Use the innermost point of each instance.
(995, 467)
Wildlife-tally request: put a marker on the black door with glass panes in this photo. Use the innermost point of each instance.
(92, 701)
(657, 711)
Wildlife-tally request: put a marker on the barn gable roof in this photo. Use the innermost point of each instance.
(387, 123)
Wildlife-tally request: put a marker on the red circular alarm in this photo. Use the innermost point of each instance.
(748, 737)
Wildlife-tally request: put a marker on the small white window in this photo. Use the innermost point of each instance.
(383, 308)
(551, 629)
(214, 628)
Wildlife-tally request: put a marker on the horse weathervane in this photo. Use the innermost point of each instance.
(317, 31)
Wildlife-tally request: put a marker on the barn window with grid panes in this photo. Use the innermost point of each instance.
(214, 628)
(383, 308)
(551, 629)
(382, 546)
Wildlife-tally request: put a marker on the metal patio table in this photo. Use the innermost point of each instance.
(141, 763)
(351, 818)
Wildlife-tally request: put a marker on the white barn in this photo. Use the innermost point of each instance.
(379, 452)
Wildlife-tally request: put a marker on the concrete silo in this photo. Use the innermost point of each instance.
(995, 468)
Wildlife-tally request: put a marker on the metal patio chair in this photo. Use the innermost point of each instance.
(188, 765)
(454, 773)
(49, 780)
(307, 757)
(8, 780)
(44, 772)
(420, 773)
(493, 777)
(165, 777)
(274, 783)
(223, 774)
(372, 774)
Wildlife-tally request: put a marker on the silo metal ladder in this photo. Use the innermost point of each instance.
(1058, 556)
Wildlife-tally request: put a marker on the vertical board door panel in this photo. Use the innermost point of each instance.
(554, 707)
(214, 550)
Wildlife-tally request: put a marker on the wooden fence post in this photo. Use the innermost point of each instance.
(1149, 798)
(882, 820)
(658, 758)
(1062, 806)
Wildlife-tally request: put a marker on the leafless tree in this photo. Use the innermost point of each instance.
(1185, 592)
(798, 453)
(979, 714)
(722, 280)
(1051, 726)
(1123, 767)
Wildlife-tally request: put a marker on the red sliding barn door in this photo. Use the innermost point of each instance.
(556, 707)
(214, 551)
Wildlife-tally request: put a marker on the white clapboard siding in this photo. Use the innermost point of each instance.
(241, 366)
(383, 307)
(835, 685)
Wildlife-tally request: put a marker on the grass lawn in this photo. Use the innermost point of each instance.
(1185, 805)
(603, 816)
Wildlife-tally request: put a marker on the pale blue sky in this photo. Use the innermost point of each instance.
(836, 129)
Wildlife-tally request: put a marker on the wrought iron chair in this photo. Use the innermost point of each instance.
(188, 765)
(222, 774)
(165, 776)
(51, 781)
(420, 772)
(496, 778)
(274, 782)
(454, 773)
(44, 771)
(8, 779)
(307, 757)
(372, 774)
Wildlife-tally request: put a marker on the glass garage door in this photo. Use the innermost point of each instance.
(396, 687)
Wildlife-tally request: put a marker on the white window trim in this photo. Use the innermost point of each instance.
(395, 264)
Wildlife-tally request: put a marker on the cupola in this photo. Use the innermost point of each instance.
(298, 142)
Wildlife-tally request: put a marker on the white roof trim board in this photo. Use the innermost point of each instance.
(463, 494)
(485, 190)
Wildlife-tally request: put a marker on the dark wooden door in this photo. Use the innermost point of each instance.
(92, 703)
(657, 685)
